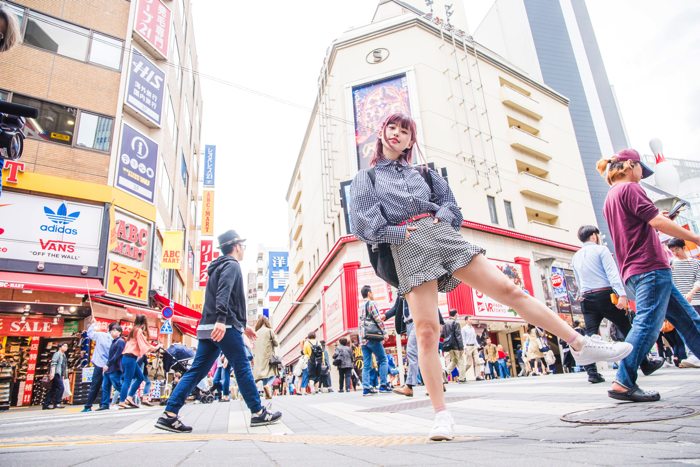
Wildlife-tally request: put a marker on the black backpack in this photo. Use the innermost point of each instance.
(380, 255)
(316, 355)
(448, 341)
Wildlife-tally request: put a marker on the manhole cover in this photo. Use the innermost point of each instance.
(629, 413)
(414, 405)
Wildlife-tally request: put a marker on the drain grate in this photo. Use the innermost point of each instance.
(629, 413)
(414, 405)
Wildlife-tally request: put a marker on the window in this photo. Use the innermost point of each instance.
(492, 209)
(166, 189)
(188, 121)
(190, 258)
(106, 51)
(193, 211)
(55, 122)
(4, 95)
(95, 132)
(318, 257)
(19, 12)
(509, 214)
(57, 36)
(185, 175)
(333, 230)
(170, 116)
(176, 59)
(328, 242)
(195, 118)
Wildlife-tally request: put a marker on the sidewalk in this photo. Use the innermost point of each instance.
(513, 420)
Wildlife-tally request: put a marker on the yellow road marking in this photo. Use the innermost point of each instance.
(375, 441)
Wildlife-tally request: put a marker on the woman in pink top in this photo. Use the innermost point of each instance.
(136, 346)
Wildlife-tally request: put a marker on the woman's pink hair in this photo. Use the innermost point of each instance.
(403, 121)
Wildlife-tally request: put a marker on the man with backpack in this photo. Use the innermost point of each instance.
(314, 354)
(373, 336)
(453, 344)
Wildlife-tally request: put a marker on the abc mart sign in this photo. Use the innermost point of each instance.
(49, 230)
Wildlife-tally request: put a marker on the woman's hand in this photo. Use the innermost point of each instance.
(409, 230)
(250, 333)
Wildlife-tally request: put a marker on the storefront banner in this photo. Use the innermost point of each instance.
(208, 212)
(197, 300)
(145, 89)
(372, 103)
(278, 268)
(50, 230)
(69, 328)
(489, 309)
(127, 326)
(172, 250)
(136, 166)
(102, 325)
(206, 256)
(43, 327)
(128, 282)
(31, 371)
(134, 240)
(153, 24)
(209, 165)
(153, 333)
(333, 325)
(380, 289)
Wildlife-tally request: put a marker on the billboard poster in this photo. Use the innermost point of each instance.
(486, 308)
(372, 103)
(136, 166)
(572, 291)
(145, 89)
(209, 165)
(208, 212)
(153, 25)
(561, 295)
(278, 268)
(333, 325)
(206, 256)
(50, 230)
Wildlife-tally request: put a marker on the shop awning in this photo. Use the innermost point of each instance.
(186, 329)
(24, 281)
(152, 312)
(182, 310)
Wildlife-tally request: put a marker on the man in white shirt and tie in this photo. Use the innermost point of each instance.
(471, 348)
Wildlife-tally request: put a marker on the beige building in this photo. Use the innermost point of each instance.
(504, 140)
(119, 124)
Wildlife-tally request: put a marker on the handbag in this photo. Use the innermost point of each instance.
(542, 343)
(275, 361)
(370, 329)
(380, 255)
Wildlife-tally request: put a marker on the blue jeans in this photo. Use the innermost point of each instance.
(494, 369)
(207, 353)
(657, 298)
(412, 355)
(133, 377)
(503, 368)
(304, 379)
(147, 387)
(222, 380)
(268, 381)
(109, 380)
(376, 348)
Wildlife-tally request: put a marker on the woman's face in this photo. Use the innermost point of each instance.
(399, 138)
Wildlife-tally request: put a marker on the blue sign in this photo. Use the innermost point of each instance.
(278, 270)
(136, 167)
(144, 91)
(166, 328)
(209, 165)
(167, 312)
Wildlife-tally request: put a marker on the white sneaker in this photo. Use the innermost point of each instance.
(443, 429)
(691, 362)
(595, 349)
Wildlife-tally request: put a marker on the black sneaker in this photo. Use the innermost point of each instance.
(596, 378)
(265, 417)
(172, 424)
(651, 365)
(100, 409)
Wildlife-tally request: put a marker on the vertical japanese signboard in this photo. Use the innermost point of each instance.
(172, 250)
(136, 166)
(206, 256)
(145, 89)
(152, 26)
(209, 165)
(208, 212)
(278, 267)
(31, 370)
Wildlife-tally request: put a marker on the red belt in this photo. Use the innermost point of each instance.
(419, 216)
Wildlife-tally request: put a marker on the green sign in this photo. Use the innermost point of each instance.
(69, 327)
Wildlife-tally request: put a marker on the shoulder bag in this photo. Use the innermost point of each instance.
(370, 329)
(380, 255)
(542, 343)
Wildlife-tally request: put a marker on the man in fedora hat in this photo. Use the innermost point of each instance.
(221, 329)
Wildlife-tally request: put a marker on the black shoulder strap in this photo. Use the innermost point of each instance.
(425, 173)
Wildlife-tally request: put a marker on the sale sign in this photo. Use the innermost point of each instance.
(206, 256)
(31, 370)
(153, 25)
(43, 327)
(127, 281)
(208, 213)
(172, 250)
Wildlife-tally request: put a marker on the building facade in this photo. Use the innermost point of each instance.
(554, 43)
(118, 130)
(504, 140)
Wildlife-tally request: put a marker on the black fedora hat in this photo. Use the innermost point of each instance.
(229, 237)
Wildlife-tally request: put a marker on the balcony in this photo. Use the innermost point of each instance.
(298, 260)
(548, 231)
(522, 102)
(529, 143)
(296, 193)
(297, 225)
(531, 185)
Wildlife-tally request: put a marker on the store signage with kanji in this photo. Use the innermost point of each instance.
(152, 23)
(127, 281)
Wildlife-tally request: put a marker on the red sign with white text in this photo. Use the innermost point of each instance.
(127, 326)
(31, 369)
(153, 24)
(44, 327)
(102, 325)
(206, 256)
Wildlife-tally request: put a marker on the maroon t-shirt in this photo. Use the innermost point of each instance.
(628, 211)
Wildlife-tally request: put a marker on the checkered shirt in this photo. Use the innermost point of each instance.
(403, 194)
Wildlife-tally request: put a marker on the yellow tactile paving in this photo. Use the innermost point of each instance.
(370, 441)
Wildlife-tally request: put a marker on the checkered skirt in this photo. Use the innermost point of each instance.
(434, 251)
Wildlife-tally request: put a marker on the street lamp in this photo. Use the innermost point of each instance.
(318, 310)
